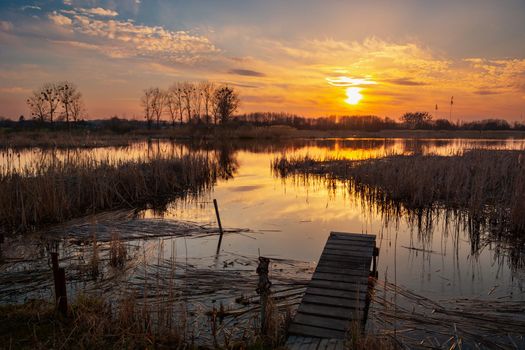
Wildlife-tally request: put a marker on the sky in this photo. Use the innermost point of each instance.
(314, 58)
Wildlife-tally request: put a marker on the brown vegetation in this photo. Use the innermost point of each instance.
(488, 184)
(62, 190)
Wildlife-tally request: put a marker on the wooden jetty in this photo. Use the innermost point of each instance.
(337, 296)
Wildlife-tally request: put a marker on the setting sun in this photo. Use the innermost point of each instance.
(353, 95)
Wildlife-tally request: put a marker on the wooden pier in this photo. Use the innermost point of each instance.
(337, 296)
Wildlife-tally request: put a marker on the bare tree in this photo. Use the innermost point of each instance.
(146, 102)
(69, 96)
(188, 94)
(197, 103)
(77, 110)
(226, 102)
(207, 90)
(172, 104)
(158, 102)
(44, 102)
(51, 97)
(37, 106)
(176, 101)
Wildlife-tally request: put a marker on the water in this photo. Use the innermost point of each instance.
(292, 218)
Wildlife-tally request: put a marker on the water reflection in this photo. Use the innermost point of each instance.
(355, 149)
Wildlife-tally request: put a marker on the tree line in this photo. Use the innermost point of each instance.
(190, 102)
(206, 103)
(60, 101)
(409, 120)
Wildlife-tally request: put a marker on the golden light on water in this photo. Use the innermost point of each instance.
(353, 95)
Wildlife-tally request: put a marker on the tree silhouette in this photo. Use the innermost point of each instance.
(226, 102)
(70, 100)
(416, 119)
(146, 102)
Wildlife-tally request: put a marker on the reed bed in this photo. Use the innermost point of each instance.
(59, 190)
(415, 321)
(488, 184)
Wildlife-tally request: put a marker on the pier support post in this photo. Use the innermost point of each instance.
(263, 289)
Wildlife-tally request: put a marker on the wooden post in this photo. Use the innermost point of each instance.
(219, 223)
(59, 277)
(1, 242)
(61, 292)
(263, 289)
(374, 263)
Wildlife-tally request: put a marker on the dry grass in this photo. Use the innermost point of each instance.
(91, 324)
(488, 184)
(57, 191)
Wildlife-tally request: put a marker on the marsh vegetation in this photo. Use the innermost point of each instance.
(58, 190)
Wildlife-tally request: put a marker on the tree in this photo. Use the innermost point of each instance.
(197, 103)
(44, 102)
(207, 90)
(415, 120)
(225, 103)
(172, 104)
(146, 102)
(188, 94)
(37, 106)
(77, 110)
(158, 101)
(51, 97)
(70, 100)
(175, 102)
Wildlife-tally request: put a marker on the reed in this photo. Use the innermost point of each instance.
(57, 191)
(488, 184)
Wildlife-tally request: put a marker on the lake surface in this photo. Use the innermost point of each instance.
(292, 218)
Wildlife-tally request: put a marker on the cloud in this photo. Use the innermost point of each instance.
(31, 7)
(246, 72)
(59, 19)
(6, 26)
(98, 11)
(344, 81)
(406, 82)
(119, 38)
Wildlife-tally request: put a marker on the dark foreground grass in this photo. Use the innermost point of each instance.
(487, 184)
(61, 190)
(93, 323)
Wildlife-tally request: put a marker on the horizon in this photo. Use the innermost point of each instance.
(348, 58)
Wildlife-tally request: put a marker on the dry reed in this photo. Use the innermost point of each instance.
(61, 190)
(488, 184)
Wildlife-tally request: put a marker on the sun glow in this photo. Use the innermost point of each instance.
(353, 95)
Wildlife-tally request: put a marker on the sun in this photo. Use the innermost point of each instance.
(353, 95)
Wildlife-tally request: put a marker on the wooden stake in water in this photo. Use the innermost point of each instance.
(1, 242)
(59, 276)
(263, 289)
(219, 223)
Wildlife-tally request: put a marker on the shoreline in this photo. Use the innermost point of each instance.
(81, 138)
